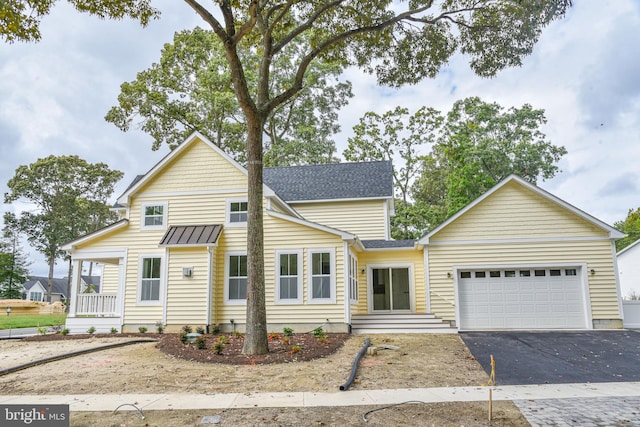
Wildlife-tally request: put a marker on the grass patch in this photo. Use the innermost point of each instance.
(31, 320)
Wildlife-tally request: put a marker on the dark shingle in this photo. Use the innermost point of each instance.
(331, 181)
(384, 244)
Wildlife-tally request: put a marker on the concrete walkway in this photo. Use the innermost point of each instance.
(592, 404)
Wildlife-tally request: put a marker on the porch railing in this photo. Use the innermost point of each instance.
(96, 304)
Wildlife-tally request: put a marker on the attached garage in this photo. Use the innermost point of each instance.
(522, 298)
(520, 258)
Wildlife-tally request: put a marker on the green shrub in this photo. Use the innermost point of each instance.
(65, 331)
(201, 343)
(113, 330)
(214, 329)
(42, 330)
(200, 330)
(287, 332)
(187, 329)
(319, 332)
(183, 337)
(295, 349)
(159, 327)
(142, 329)
(218, 345)
(222, 339)
(91, 330)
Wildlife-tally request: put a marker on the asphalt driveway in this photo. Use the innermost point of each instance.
(558, 357)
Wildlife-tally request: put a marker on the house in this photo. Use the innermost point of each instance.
(36, 287)
(516, 258)
(629, 268)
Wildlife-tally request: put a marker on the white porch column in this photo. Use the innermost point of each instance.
(122, 278)
(75, 285)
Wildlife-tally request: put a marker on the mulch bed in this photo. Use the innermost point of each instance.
(301, 347)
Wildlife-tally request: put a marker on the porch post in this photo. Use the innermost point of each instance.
(120, 296)
(75, 281)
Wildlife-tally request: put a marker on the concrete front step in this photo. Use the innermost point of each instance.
(399, 323)
(363, 331)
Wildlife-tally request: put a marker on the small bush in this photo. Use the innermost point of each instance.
(113, 330)
(273, 336)
(159, 327)
(238, 334)
(65, 331)
(200, 330)
(214, 329)
(222, 339)
(183, 338)
(142, 329)
(42, 330)
(201, 343)
(319, 332)
(187, 329)
(295, 349)
(91, 330)
(218, 345)
(287, 332)
(286, 339)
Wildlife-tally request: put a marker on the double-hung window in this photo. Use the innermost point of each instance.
(150, 279)
(237, 277)
(289, 277)
(36, 296)
(237, 212)
(322, 276)
(154, 215)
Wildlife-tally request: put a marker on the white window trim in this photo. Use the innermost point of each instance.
(163, 276)
(228, 222)
(332, 257)
(300, 276)
(165, 210)
(353, 278)
(227, 256)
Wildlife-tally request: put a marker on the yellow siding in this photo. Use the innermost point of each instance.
(516, 212)
(109, 279)
(413, 257)
(187, 296)
(366, 218)
(197, 168)
(595, 253)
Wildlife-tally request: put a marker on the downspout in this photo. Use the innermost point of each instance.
(209, 284)
(347, 285)
(617, 274)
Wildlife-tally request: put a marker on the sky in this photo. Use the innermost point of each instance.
(584, 72)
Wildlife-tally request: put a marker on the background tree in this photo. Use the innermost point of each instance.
(190, 89)
(441, 163)
(401, 41)
(13, 265)
(629, 226)
(481, 144)
(406, 140)
(67, 194)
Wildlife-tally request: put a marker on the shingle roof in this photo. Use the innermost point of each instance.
(59, 286)
(331, 181)
(385, 244)
(200, 235)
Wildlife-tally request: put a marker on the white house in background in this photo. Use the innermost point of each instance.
(629, 269)
(35, 289)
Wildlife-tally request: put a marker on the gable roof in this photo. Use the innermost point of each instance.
(613, 233)
(59, 286)
(622, 251)
(331, 181)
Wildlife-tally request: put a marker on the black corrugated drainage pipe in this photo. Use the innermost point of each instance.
(354, 368)
(74, 353)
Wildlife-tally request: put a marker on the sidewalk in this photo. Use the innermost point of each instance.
(109, 402)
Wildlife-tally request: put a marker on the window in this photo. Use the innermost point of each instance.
(289, 280)
(321, 271)
(481, 274)
(353, 278)
(35, 296)
(510, 273)
(525, 273)
(150, 279)
(237, 212)
(554, 272)
(540, 273)
(494, 274)
(465, 275)
(154, 215)
(570, 272)
(237, 277)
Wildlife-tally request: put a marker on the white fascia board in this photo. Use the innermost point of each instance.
(284, 205)
(613, 233)
(83, 239)
(343, 234)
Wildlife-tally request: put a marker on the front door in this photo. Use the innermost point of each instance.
(391, 289)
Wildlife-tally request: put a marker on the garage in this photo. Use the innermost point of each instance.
(521, 298)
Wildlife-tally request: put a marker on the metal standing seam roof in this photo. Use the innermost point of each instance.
(191, 235)
(386, 244)
(331, 181)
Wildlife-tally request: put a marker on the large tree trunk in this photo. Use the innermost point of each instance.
(52, 263)
(256, 341)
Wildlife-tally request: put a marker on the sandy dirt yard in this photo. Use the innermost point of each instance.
(421, 361)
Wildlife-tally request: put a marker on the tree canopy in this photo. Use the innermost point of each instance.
(69, 196)
(402, 42)
(442, 163)
(189, 89)
(631, 227)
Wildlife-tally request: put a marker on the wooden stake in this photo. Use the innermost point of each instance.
(490, 404)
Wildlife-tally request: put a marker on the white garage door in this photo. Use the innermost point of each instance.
(540, 298)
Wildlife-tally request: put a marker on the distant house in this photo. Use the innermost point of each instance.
(515, 258)
(35, 289)
(629, 269)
